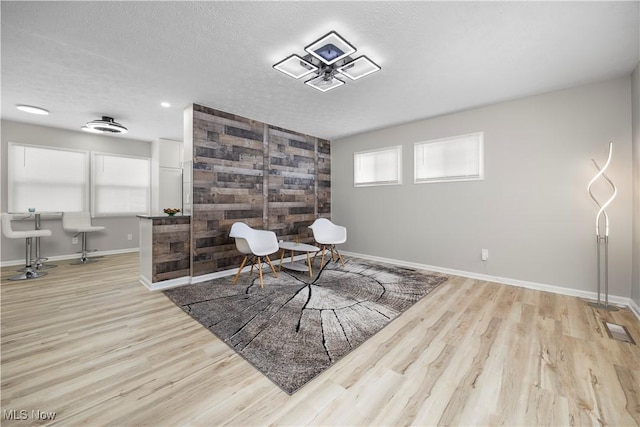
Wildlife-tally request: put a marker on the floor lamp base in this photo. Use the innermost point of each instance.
(602, 306)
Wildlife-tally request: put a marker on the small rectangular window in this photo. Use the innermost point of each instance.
(378, 167)
(458, 158)
(121, 185)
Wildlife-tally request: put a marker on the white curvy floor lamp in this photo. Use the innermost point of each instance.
(602, 236)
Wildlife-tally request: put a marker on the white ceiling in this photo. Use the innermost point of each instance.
(82, 60)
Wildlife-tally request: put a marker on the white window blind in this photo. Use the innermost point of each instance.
(47, 179)
(458, 158)
(378, 167)
(121, 185)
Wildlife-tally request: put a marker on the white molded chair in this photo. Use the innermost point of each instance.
(9, 232)
(258, 243)
(328, 235)
(80, 223)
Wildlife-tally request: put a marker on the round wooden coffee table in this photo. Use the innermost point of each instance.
(296, 247)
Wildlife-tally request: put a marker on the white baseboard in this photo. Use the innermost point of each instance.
(613, 299)
(76, 255)
(186, 280)
(165, 284)
(181, 281)
(634, 307)
(218, 274)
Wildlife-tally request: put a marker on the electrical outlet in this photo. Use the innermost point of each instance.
(485, 254)
(74, 240)
(129, 236)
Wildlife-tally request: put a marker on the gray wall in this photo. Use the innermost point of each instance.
(531, 212)
(635, 82)
(59, 244)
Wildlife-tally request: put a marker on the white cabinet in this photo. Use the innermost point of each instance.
(167, 178)
(170, 186)
(170, 154)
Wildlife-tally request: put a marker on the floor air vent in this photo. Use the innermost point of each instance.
(618, 332)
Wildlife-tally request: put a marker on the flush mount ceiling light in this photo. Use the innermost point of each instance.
(324, 84)
(326, 59)
(33, 110)
(104, 125)
(90, 130)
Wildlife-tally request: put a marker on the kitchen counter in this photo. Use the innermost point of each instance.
(163, 216)
(165, 250)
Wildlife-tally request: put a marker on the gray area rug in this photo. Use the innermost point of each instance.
(297, 326)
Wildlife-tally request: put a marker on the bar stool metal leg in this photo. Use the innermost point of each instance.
(38, 260)
(39, 265)
(29, 272)
(83, 257)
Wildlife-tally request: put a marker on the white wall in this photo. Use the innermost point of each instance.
(635, 82)
(59, 244)
(531, 212)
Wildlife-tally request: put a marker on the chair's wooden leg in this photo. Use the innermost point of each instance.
(281, 260)
(309, 264)
(271, 265)
(260, 272)
(340, 256)
(244, 261)
(332, 248)
(322, 258)
(253, 261)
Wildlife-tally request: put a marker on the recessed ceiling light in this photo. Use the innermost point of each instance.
(165, 104)
(33, 110)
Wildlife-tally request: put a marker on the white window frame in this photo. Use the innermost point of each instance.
(449, 178)
(356, 165)
(10, 186)
(94, 185)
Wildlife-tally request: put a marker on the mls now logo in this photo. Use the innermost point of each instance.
(14, 414)
(23, 414)
(42, 415)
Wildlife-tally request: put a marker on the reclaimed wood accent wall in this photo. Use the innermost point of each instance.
(292, 178)
(245, 170)
(171, 248)
(323, 179)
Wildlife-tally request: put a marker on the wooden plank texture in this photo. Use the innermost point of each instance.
(244, 170)
(94, 346)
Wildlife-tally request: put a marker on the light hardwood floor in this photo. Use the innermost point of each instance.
(93, 345)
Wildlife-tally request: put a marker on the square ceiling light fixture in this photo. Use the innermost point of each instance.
(323, 84)
(361, 67)
(327, 58)
(295, 67)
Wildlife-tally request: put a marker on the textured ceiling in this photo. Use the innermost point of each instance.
(82, 60)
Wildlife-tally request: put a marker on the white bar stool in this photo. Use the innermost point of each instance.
(80, 223)
(9, 232)
(38, 259)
